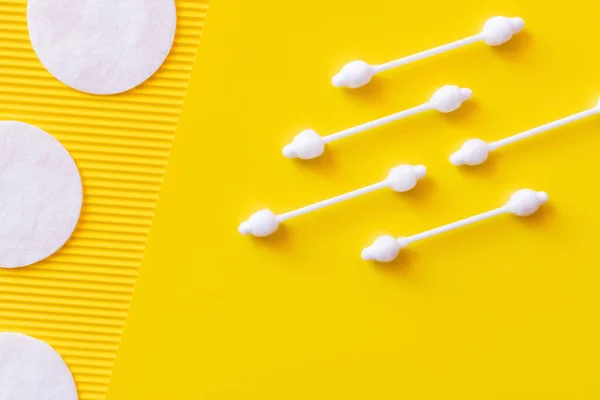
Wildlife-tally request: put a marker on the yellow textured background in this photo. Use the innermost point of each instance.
(504, 309)
(78, 299)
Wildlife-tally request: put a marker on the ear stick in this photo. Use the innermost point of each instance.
(308, 144)
(400, 179)
(496, 31)
(522, 203)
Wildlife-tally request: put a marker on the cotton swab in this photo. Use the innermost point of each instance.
(309, 144)
(522, 203)
(400, 179)
(496, 31)
(476, 151)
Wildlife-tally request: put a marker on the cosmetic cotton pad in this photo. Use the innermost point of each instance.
(40, 195)
(32, 370)
(102, 46)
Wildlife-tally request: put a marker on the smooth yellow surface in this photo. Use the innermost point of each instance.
(505, 309)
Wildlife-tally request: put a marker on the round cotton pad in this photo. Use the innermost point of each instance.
(102, 47)
(40, 195)
(32, 370)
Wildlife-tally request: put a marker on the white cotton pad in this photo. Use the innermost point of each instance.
(102, 46)
(40, 195)
(32, 370)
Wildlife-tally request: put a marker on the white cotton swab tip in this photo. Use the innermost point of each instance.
(499, 30)
(262, 223)
(526, 202)
(405, 177)
(449, 98)
(307, 145)
(384, 249)
(473, 152)
(354, 75)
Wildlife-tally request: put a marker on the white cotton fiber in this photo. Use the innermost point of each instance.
(32, 370)
(102, 47)
(40, 194)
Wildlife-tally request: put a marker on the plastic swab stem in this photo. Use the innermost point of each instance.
(332, 201)
(544, 128)
(454, 225)
(428, 53)
(378, 122)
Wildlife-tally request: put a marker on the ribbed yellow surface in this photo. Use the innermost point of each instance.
(78, 299)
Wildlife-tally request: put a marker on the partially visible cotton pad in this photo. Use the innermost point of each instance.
(40, 195)
(32, 370)
(102, 46)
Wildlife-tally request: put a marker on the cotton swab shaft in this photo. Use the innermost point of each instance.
(332, 201)
(378, 122)
(455, 225)
(428, 53)
(543, 128)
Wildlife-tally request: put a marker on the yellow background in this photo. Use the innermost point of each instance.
(78, 299)
(506, 308)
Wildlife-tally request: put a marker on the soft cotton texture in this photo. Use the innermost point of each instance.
(473, 152)
(449, 98)
(405, 177)
(262, 223)
(384, 249)
(306, 146)
(102, 47)
(525, 202)
(499, 30)
(40, 194)
(32, 370)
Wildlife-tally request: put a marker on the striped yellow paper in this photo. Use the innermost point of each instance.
(78, 299)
